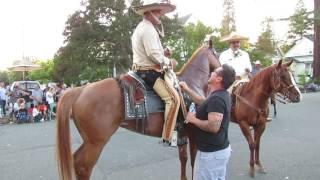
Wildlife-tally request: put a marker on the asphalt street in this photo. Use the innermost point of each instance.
(289, 150)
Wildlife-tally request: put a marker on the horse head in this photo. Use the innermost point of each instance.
(284, 83)
(196, 71)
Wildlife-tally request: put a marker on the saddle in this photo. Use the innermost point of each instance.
(236, 91)
(139, 100)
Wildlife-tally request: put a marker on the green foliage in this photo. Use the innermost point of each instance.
(300, 24)
(98, 36)
(9, 76)
(4, 76)
(194, 35)
(302, 79)
(265, 43)
(44, 74)
(261, 56)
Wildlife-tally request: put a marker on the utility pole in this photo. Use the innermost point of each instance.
(316, 46)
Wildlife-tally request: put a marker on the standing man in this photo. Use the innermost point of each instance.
(236, 57)
(212, 122)
(256, 68)
(36, 96)
(150, 63)
(3, 98)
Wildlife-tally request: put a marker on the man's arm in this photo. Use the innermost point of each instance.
(211, 125)
(193, 96)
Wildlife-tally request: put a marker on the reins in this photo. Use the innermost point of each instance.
(259, 110)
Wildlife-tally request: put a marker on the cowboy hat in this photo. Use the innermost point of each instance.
(233, 36)
(149, 5)
(257, 62)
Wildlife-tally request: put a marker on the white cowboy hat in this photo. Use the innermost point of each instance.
(149, 5)
(257, 62)
(233, 36)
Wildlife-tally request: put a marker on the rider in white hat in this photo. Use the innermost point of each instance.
(236, 57)
(150, 62)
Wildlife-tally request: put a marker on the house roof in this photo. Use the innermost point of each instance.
(303, 59)
(303, 47)
(184, 19)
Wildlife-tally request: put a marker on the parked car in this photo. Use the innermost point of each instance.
(25, 85)
(312, 87)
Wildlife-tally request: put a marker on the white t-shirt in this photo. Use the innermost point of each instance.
(3, 95)
(239, 60)
(35, 112)
(49, 97)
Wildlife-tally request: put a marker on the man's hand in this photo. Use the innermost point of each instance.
(167, 53)
(191, 118)
(183, 86)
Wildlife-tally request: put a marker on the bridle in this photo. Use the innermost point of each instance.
(283, 92)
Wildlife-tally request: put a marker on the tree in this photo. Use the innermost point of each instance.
(45, 74)
(99, 38)
(299, 23)
(228, 23)
(316, 49)
(265, 41)
(5, 77)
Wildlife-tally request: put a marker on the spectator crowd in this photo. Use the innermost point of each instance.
(22, 105)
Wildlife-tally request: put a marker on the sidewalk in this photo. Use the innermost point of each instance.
(4, 120)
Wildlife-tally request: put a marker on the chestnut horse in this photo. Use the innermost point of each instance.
(97, 111)
(250, 104)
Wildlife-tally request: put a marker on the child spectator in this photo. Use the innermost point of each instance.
(22, 114)
(36, 115)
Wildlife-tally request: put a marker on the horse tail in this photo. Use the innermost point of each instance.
(63, 139)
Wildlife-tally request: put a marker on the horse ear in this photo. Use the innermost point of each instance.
(289, 63)
(279, 63)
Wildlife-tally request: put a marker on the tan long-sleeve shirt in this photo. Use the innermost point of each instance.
(146, 46)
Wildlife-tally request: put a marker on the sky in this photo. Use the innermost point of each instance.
(34, 28)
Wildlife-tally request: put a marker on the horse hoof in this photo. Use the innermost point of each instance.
(262, 171)
(251, 173)
(269, 119)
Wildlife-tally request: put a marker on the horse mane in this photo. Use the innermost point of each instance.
(260, 76)
(196, 71)
(192, 58)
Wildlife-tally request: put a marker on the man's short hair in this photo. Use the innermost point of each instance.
(228, 75)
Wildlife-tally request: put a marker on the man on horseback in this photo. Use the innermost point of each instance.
(150, 63)
(236, 57)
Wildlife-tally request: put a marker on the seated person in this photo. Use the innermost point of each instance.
(22, 114)
(36, 115)
(16, 105)
(30, 110)
(42, 108)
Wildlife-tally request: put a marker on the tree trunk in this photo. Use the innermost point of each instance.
(316, 48)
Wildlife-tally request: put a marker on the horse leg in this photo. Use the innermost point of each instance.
(274, 109)
(183, 157)
(245, 128)
(85, 158)
(193, 153)
(258, 131)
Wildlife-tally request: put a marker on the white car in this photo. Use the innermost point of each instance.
(25, 85)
